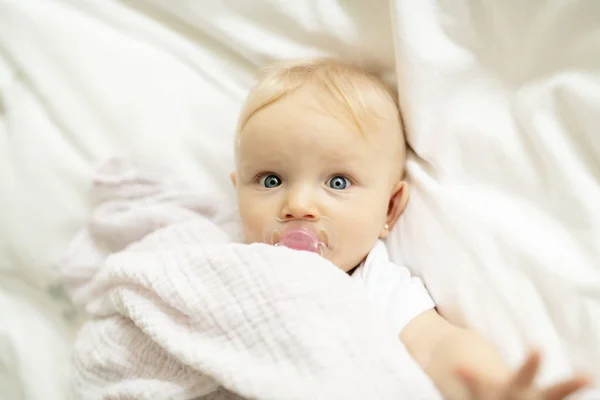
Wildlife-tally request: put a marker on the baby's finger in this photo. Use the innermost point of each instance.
(526, 374)
(564, 389)
(473, 383)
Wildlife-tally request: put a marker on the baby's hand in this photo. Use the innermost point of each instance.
(520, 385)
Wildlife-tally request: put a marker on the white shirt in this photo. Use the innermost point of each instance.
(398, 295)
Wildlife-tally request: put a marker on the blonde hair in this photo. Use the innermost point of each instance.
(344, 89)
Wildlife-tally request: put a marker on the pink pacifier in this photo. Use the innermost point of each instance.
(313, 236)
(300, 238)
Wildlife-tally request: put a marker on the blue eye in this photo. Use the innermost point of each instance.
(338, 182)
(270, 181)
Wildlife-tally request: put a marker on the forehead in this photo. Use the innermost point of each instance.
(301, 122)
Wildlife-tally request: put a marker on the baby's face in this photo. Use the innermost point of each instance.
(299, 164)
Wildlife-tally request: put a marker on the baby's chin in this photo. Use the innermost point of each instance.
(346, 265)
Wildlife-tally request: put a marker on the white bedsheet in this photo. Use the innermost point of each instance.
(501, 101)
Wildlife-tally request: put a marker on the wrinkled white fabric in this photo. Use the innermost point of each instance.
(501, 101)
(178, 311)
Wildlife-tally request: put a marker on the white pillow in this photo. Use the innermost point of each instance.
(262, 32)
(502, 105)
(89, 81)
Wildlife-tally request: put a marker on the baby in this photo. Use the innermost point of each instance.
(320, 156)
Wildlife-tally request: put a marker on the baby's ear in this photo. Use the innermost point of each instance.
(397, 204)
(233, 177)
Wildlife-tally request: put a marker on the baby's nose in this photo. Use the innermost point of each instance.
(300, 204)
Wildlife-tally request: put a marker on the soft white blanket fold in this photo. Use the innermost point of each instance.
(178, 311)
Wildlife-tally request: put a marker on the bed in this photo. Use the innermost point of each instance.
(501, 102)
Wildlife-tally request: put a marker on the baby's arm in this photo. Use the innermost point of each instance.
(462, 365)
(441, 348)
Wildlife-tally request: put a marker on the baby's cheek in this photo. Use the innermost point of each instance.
(252, 226)
(354, 244)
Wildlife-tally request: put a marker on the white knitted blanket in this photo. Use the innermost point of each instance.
(178, 311)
